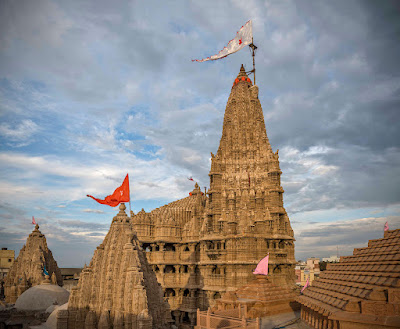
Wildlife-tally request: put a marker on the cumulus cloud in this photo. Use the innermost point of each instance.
(91, 92)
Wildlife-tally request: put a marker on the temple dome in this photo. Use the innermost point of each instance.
(51, 322)
(40, 297)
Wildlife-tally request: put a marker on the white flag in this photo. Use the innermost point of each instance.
(243, 38)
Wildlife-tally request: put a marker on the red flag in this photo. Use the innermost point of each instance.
(121, 194)
(33, 221)
(191, 178)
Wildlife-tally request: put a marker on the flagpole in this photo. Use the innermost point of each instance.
(253, 47)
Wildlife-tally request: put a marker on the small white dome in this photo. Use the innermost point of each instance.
(40, 297)
(51, 322)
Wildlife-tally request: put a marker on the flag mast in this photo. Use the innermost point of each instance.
(253, 47)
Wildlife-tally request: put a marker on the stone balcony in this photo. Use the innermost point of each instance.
(174, 280)
(182, 302)
(163, 257)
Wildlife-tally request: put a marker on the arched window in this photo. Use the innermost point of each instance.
(169, 292)
(186, 249)
(186, 293)
(146, 247)
(169, 269)
(217, 295)
(169, 247)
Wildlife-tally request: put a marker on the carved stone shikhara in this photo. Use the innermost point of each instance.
(27, 270)
(204, 245)
(362, 291)
(118, 289)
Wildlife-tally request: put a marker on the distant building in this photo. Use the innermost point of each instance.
(70, 277)
(6, 261)
(313, 263)
(332, 259)
(307, 270)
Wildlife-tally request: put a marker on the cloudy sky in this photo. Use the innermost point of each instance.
(92, 90)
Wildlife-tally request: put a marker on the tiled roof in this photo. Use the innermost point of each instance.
(370, 274)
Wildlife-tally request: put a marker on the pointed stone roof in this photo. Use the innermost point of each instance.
(363, 288)
(27, 270)
(118, 289)
(243, 133)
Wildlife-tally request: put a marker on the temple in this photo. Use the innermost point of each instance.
(28, 269)
(118, 289)
(205, 245)
(362, 291)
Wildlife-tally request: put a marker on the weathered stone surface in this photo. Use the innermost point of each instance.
(258, 299)
(362, 291)
(27, 270)
(206, 244)
(118, 289)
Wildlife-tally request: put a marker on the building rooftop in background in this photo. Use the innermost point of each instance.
(6, 261)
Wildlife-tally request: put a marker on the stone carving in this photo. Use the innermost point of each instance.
(204, 245)
(361, 291)
(118, 289)
(27, 270)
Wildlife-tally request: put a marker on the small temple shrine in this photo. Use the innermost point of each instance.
(362, 291)
(30, 268)
(118, 289)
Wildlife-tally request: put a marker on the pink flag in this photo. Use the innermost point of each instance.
(262, 267)
(243, 38)
(386, 228)
(33, 221)
(306, 285)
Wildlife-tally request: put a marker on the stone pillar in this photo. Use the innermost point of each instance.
(176, 314)
(192, 317)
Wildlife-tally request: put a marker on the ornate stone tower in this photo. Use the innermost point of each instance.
(27, 270)
(118, 289)
(244, 216)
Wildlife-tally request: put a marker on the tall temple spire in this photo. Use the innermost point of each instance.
(244, 135)
(245, 195)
